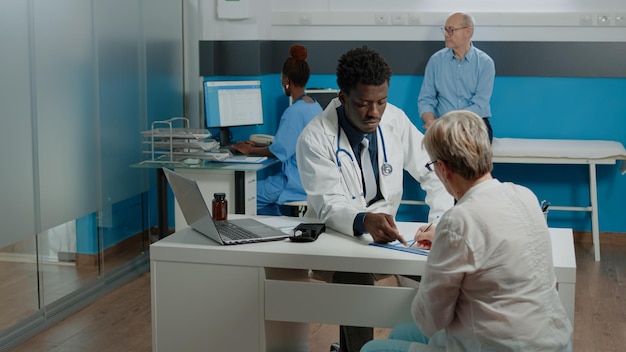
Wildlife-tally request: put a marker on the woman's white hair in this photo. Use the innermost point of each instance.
(460, 139)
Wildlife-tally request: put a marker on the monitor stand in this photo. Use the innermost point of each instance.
(224, 136)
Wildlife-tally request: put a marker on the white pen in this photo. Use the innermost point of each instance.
(426, 229)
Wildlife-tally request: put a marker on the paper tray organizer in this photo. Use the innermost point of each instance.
(169, 144)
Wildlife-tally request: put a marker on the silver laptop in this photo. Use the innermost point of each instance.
(198, 216)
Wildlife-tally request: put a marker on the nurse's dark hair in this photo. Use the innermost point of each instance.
(295, 67)
(362, 65)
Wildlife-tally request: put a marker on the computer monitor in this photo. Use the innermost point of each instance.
(232, 103)
(322, 95)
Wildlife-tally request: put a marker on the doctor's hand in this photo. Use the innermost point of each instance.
(382, 228)
(424, 236)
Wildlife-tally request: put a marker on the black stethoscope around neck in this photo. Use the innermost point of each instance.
(386, 169)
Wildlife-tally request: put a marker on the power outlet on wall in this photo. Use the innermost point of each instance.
(305, 18)
(414, 18)
(603, 19)
(398, 19)
(381, 19)
(586, 20)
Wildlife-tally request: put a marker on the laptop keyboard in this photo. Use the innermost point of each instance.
(235, 233)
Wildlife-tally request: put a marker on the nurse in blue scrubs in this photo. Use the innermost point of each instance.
(285, 186)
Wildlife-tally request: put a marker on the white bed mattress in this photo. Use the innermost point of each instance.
(559, 148)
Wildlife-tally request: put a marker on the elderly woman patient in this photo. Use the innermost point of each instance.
(489, 284)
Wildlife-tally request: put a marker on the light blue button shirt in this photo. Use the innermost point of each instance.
(450, 84)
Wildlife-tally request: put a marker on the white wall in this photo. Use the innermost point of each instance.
(256, 27)
(497, 20)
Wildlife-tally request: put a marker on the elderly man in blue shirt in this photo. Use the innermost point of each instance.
(458, 77)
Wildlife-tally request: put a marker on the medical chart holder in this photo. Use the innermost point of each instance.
(171, 145)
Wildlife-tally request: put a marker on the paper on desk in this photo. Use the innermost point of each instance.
(245, 159)
(398, 246)
(285, 224)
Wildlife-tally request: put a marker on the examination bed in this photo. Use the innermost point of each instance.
(564, 151)
(561, 151)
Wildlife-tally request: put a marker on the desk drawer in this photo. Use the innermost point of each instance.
(351, 304)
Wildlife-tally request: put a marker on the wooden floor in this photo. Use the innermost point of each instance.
(120, 321)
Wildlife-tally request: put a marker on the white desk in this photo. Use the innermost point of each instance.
(237, 180)
(572, 152)
(194, 279)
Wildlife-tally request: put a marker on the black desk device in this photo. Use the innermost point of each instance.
(307, 232)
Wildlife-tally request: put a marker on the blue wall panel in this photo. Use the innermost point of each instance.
(560, 108)
(523, 107)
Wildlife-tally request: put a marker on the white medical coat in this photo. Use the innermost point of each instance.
(335, 196)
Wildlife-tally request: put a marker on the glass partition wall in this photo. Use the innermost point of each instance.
(81, 81)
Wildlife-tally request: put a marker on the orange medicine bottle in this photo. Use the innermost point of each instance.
(220, 206)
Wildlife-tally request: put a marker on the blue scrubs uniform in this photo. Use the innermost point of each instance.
(285, 186)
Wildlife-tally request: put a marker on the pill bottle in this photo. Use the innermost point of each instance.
(220, 206)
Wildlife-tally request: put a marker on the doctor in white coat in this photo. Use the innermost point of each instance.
(330, 169)
(329, 153)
